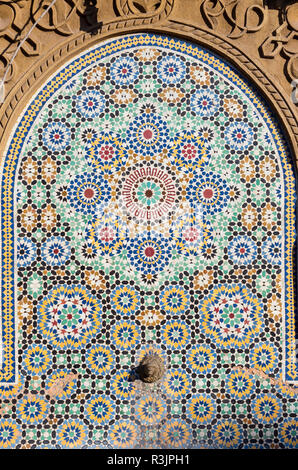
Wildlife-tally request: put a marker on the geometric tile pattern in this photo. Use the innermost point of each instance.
(154, 212)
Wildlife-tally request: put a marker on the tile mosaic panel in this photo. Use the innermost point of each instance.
(154, 212)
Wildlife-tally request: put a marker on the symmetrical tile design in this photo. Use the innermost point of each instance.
(155, 212)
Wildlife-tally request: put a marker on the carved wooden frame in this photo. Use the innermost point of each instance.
(162, 22)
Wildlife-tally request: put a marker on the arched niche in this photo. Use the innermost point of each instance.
(148, 184)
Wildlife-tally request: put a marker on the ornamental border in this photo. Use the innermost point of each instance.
(67, 71)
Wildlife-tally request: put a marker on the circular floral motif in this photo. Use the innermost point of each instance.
(239, 135)
(124, 70)
(175, 334)
(99, 409)
(123, 96)
(56, 251)
(203, 279)
(227, 434)
(192, 234)
(200, 74)
(264, 357)
(147, 53)
(26, 251)
(175, 434)
(231, 316)
(125, 335)
(239, 384)
(100, 359)
(148, 193)
(29, 169)
(171, 69)
(87, 192)
(209, 249)
(87, 251)
(72, 434)
(89, 135)
(204, 103)
(123, 434)
(69, 316)
(208, 191)
(174, 300)
(29, 218)
(202, 359)
(150, 410)
(37, 359)
(233, 107)
(201, 408)
(242, 250)
(125, 300)
(288, 433)
(56, 136)
(9, 434)
(177, 383)
(32, 409)
(90, 104)
(149, 252)
(267, 408)
(268, 168)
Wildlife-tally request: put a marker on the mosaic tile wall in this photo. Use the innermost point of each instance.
(150, 217)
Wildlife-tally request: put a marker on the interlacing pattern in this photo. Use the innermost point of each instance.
(150, 217)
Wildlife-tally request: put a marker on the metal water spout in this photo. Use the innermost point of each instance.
(151, 368)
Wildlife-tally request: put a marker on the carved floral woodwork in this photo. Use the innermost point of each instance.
(60, 17)
(246, 16)
(64, 19)
(16, 19)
